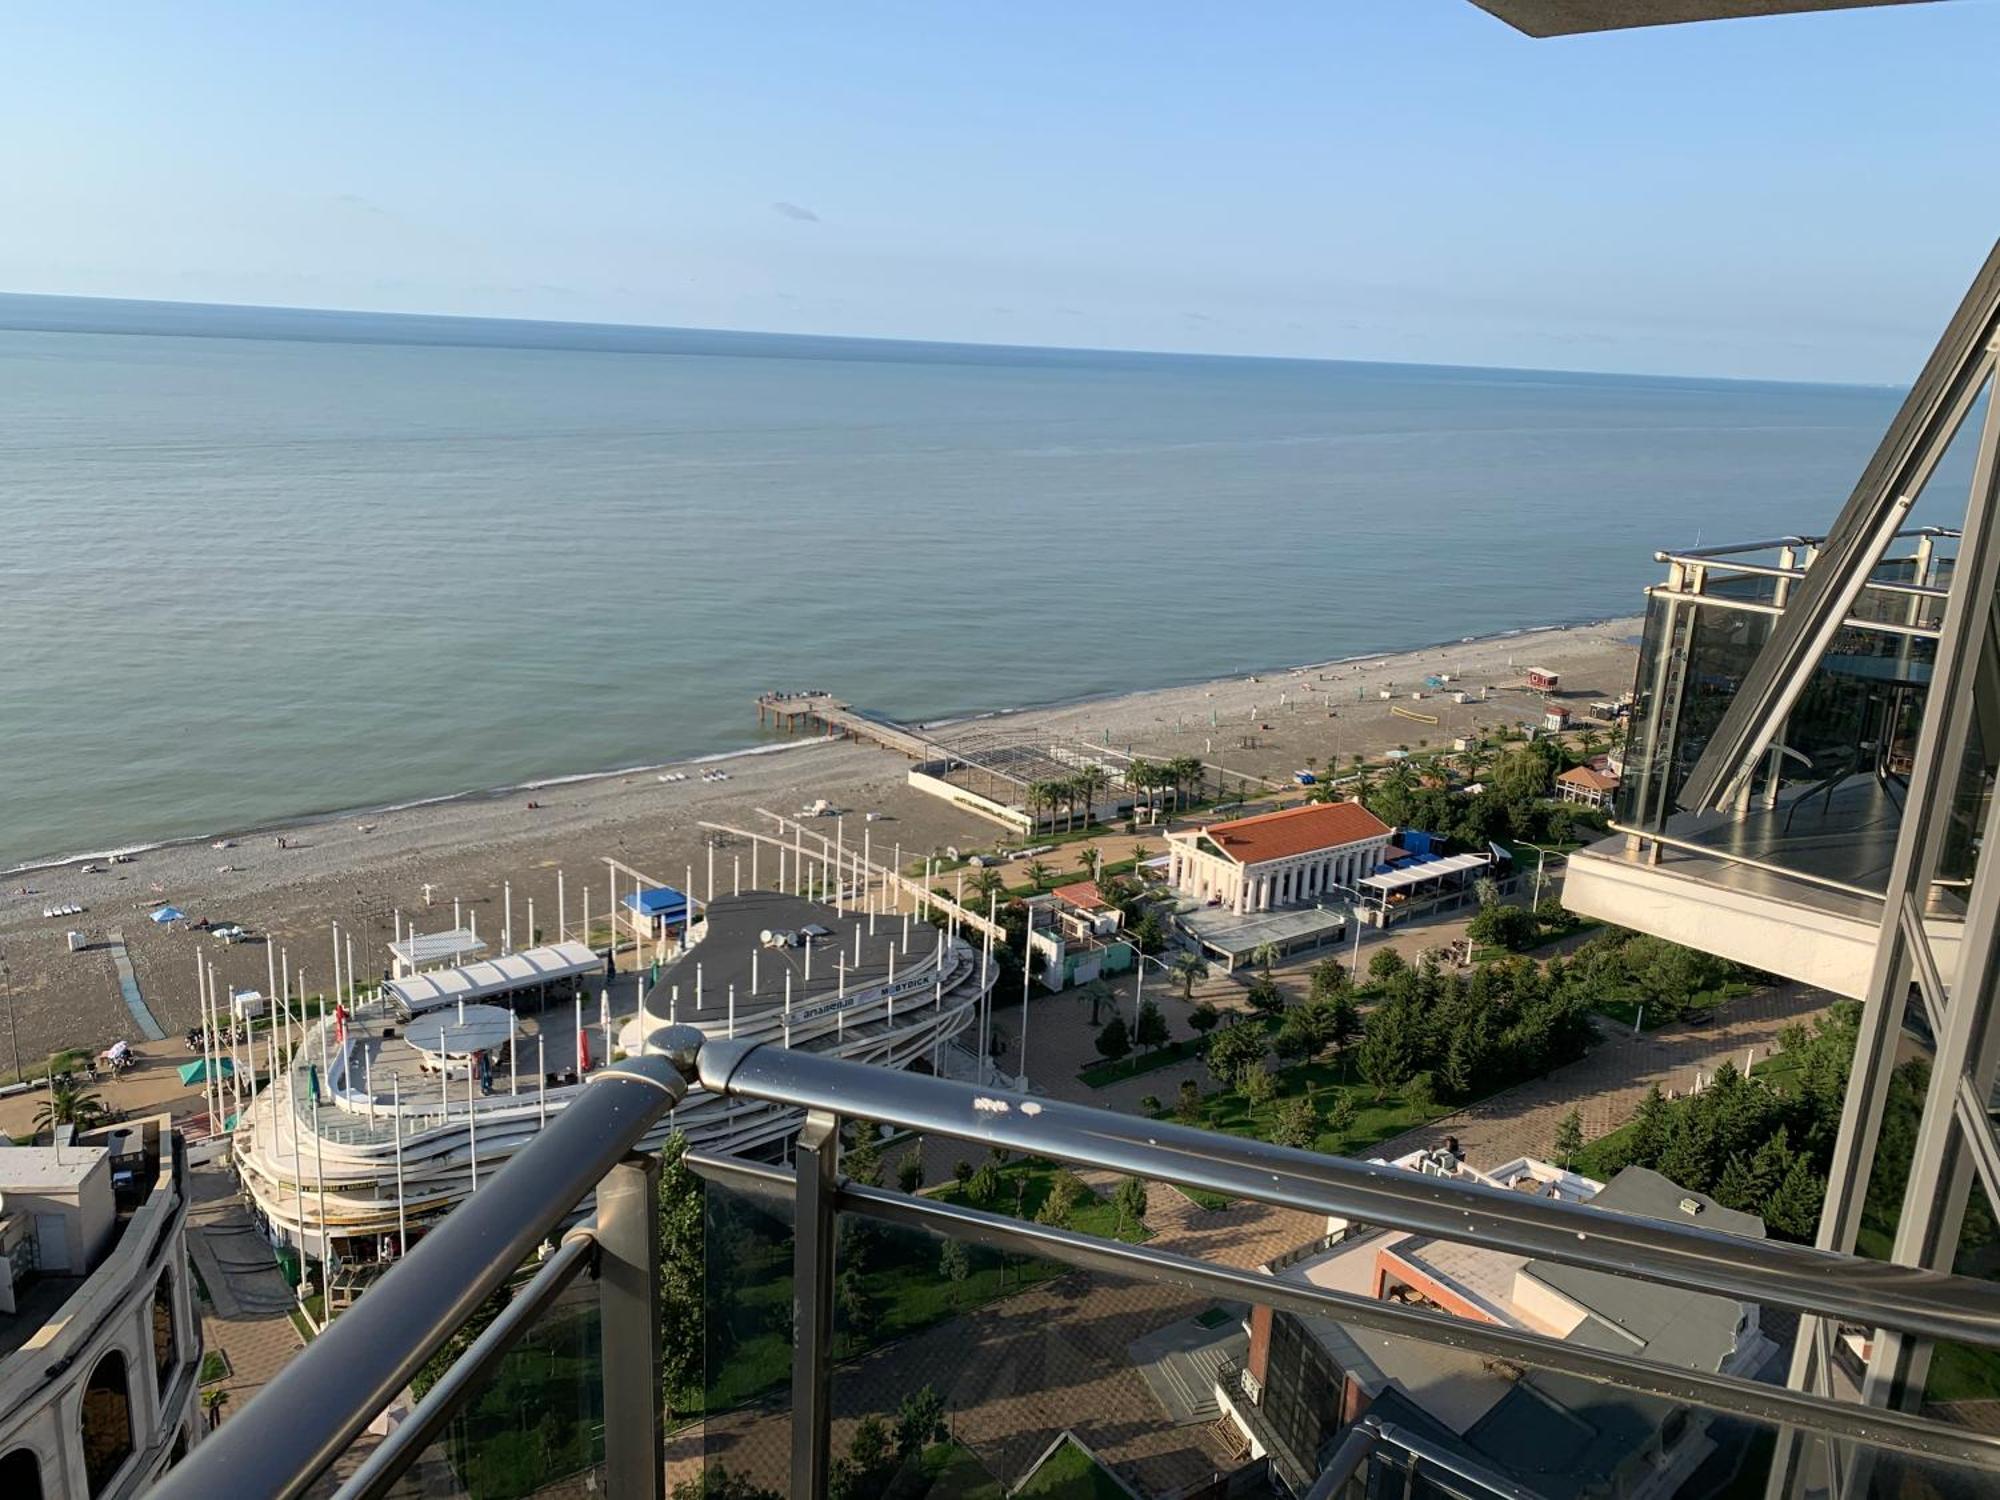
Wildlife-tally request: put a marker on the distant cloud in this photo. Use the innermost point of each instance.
(793, 211)
(1195, 317)
(365, 205)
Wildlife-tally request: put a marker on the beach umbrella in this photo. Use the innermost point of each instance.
(168, 914)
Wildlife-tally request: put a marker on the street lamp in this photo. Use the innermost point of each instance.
(1541, 860)
(1354, 899)
(1139, 980)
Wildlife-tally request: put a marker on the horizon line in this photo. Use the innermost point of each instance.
(880, 341)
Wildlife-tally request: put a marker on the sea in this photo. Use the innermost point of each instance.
(258, 564)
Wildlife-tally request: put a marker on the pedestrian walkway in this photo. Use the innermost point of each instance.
(1605, 1087)
(128, 986)
(248, 1313)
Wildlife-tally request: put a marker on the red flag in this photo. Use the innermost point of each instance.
(583, 1051)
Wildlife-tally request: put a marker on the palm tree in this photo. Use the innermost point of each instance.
(1142, 776)
(1039, 873)
(987, 884)
(1088, 856)
(1189, 969)
(212, 1401)
(69, 1103)
(1265, 955)
(1093, 779)
(1040, 798)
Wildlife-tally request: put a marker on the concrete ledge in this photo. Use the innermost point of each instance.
(1828, 949)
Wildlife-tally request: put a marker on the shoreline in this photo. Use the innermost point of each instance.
(1110, 696)
(483, 853)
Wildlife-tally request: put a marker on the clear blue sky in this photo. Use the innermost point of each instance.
(1801, 197)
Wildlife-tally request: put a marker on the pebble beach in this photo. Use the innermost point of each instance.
(362, 870)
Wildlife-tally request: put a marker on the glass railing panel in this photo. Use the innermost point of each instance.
(534, 1424)
(728, 1366)
(1693, 659)
(964, 1370)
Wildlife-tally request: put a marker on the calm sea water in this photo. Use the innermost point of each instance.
(256, 564)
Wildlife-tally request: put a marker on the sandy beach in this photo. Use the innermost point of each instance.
(360, 869)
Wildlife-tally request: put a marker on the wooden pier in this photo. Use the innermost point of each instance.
(826, 714)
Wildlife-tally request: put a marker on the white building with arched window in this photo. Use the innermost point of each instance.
(100, 1336)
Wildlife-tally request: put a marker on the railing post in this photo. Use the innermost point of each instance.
(628, 1293)
(816, 1161)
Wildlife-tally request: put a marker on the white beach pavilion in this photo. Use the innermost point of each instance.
(1277, 859)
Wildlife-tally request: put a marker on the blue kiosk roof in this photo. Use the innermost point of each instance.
(664, 902)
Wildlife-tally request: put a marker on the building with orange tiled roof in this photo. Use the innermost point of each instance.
(1587, 786)
(1277, 859)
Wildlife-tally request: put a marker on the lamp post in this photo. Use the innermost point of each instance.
(1354, 899)
(1140, 960)
(1541, 861)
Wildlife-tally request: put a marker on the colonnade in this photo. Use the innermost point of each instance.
(1281, 882)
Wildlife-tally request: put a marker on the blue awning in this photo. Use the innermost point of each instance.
(664, 902)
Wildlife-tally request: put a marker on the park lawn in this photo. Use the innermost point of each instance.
(1098, 1075)
(1070, 1474)
(1375, 1120)
(1031, 1178)
(948, 1472)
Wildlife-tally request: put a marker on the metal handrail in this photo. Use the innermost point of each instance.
(368, 1354)
(1933, 1304)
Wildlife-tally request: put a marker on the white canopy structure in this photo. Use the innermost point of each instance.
(511, 972)
(422, 949)
(1430, 869)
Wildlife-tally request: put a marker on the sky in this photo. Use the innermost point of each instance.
(1786, 198)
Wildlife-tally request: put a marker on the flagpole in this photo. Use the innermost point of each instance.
(402, 1216)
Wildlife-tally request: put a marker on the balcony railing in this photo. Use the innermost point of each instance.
(1824, 809)
(1051, 1345)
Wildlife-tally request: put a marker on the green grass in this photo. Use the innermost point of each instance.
(1024, 1187)
(1070, 1474)
(1099, 1075)
(947, 1472)
(1375, 1120)
(1962, 1374)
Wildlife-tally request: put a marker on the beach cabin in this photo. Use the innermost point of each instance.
(1542, 680)
(1555, 720)
(659, 914)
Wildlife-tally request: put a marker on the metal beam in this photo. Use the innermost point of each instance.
(1916, 440)
(628, 1286)
(816, 1165)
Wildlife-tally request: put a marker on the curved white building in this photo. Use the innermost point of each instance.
(100, 1337)
(366, 1140)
